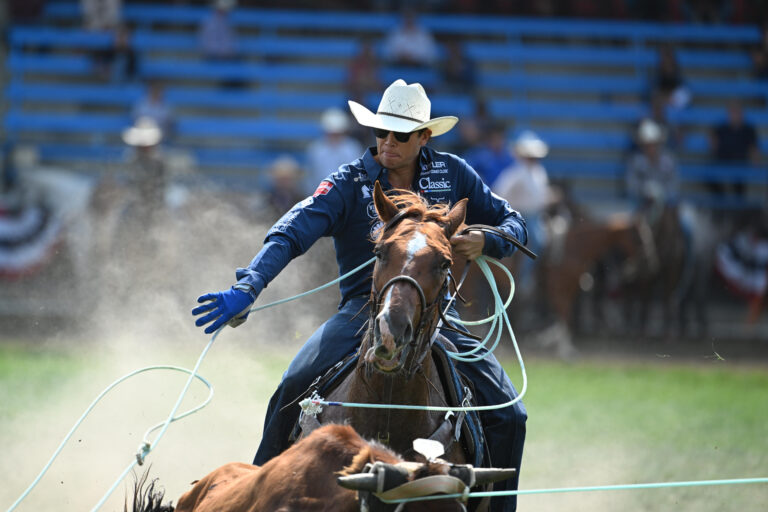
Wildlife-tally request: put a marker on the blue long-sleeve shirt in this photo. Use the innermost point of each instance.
(342, 207)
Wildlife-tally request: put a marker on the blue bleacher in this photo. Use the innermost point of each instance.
(523, 83)
(55, 65)
(85, 94)
(525, 110)
(262, 128)
(256, 72)
(558, 54)
(360, 22)
(20, 122)
(59, 37)
(288, 79)
(263, 99)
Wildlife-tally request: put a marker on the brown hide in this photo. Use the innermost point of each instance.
(303, 478)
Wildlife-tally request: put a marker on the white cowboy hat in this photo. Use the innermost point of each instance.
(403, 108)
(530, 145)
(144, 132)
(649, 132)
(334, 120)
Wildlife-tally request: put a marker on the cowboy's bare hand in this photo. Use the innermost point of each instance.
(469, 245)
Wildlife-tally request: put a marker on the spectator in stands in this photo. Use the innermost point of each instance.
(333, 149)
(458, 71)
(525, 184)
(760, 55)
(669, 81)
(8, 175)
(124, 61)
(734, 142)
(410, 44)
(363, 74)
(147, 175)
(658, 113)
(23, 12)
(101, 14)
(492, 155)
(218, 39)
(706, 11)
(652, 170)
(153, 106)
(473, 129)
(285, 188)
(118, 63)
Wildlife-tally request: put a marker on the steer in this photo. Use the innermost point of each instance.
(325, 472)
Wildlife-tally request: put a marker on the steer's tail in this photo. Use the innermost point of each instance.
(145, 497)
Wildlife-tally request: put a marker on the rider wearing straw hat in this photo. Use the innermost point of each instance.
(342, 207)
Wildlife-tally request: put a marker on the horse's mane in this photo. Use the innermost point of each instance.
(417, 208)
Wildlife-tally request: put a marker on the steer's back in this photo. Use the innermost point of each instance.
(303, 478)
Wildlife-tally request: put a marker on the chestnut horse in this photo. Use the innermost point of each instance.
(576, 252)
(410, 279)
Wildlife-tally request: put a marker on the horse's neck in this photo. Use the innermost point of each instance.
(594, 239)
(375, 386)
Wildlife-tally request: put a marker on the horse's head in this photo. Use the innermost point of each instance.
(413, 257)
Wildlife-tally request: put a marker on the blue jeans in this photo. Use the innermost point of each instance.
(504, 428)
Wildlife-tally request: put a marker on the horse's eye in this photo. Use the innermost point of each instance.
(446, 265)
(377, 252)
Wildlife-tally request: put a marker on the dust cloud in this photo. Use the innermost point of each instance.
(129, 306)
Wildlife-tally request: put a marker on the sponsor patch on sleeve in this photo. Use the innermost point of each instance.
(323, 188)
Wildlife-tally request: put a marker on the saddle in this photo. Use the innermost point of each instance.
(465, 426)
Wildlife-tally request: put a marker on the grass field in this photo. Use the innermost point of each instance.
(591, 422)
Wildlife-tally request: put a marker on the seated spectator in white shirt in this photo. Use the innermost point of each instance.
(334, 148)
(152, 105)
(525, 185)
(410, 44)
(218, 39)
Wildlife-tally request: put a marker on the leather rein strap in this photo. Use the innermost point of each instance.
(506, 236)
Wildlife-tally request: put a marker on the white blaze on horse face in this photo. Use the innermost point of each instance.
(415, 244)
(386, 334)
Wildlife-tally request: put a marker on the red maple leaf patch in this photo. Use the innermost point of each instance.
(323, 188)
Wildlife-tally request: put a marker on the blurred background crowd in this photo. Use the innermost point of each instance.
(632, 135)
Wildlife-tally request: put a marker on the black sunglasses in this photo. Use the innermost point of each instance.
(399, 136)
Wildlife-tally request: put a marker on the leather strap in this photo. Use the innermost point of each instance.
(506, 236)
(427, 486)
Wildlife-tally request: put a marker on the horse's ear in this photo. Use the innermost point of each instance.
(456, 217)
(384, 205)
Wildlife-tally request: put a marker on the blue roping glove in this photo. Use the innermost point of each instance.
(226, 307)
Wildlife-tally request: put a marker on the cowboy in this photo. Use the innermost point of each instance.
(342, 207)
(525, 184)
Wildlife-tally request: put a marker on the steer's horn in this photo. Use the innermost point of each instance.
(490, 475)
(360, 482)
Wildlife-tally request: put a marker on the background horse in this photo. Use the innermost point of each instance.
(672, 280)
(394, 366)
(573, 255)
(578, 247)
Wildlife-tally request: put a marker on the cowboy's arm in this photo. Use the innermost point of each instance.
(290, 237)
(485, 207)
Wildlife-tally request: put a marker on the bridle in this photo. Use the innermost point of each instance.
(422, 334)
(426, 318)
